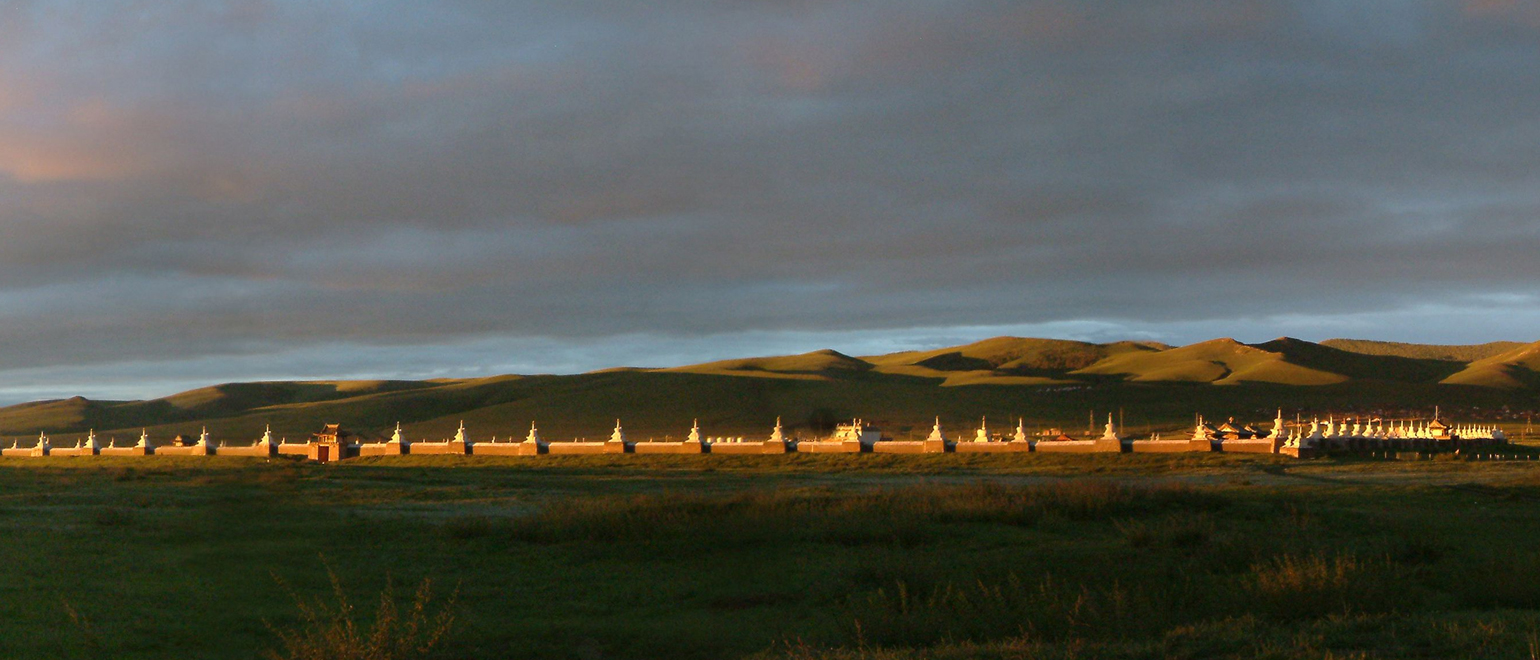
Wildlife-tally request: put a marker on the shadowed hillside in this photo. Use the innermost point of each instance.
(1366, 366)
(1014, 353)
(1048, 382)
(1004, 361)
(818, 364)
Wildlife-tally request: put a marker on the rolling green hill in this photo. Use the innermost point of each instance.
(1048, 382)
(1217, 361)
(1518, 368)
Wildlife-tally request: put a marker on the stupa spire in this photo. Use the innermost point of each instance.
(619, 434)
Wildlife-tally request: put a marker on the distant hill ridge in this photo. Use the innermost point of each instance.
(1453, 353)
(1007, 375)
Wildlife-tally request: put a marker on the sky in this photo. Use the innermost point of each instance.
(199, 192)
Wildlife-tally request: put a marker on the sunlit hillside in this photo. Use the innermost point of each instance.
(1045, 381)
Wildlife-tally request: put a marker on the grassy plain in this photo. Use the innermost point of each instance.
(801, 556)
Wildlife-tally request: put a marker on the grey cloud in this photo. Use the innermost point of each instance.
(191, 181)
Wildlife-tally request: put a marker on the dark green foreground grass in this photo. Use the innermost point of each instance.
(813, 557)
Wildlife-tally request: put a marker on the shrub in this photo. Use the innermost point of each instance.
(334, 630)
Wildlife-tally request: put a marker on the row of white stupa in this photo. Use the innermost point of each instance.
(1298, 436)
(92, 442)
(1319, 432)
(618, 435)
(1399, 430)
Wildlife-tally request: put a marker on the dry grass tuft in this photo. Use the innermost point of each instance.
(1308, 586)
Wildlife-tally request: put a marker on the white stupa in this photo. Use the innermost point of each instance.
(935, 433)
(1201, 432)
(1317, 434)
(1110, 432)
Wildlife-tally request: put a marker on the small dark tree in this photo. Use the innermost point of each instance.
(823, 420)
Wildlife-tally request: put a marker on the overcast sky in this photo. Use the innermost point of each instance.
(196, 192)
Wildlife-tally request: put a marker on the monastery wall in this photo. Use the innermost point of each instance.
(440, 448)
(1170, 446)
(382, 449)
(992, 447)
(184, 450)
(1098, 446)
(829, 447)
(261, 451)
(685, 447)
(1297, 440)
(765, 447)
(585, 448)
(909, 447)
(1263, 446)
(505, 448)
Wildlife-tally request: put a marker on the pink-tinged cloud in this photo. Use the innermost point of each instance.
(1525, 12)
(26, 161)
(89, 140)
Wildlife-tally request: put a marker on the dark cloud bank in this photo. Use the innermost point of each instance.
(205, 191)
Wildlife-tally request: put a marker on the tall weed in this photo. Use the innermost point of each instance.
(333, 629)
